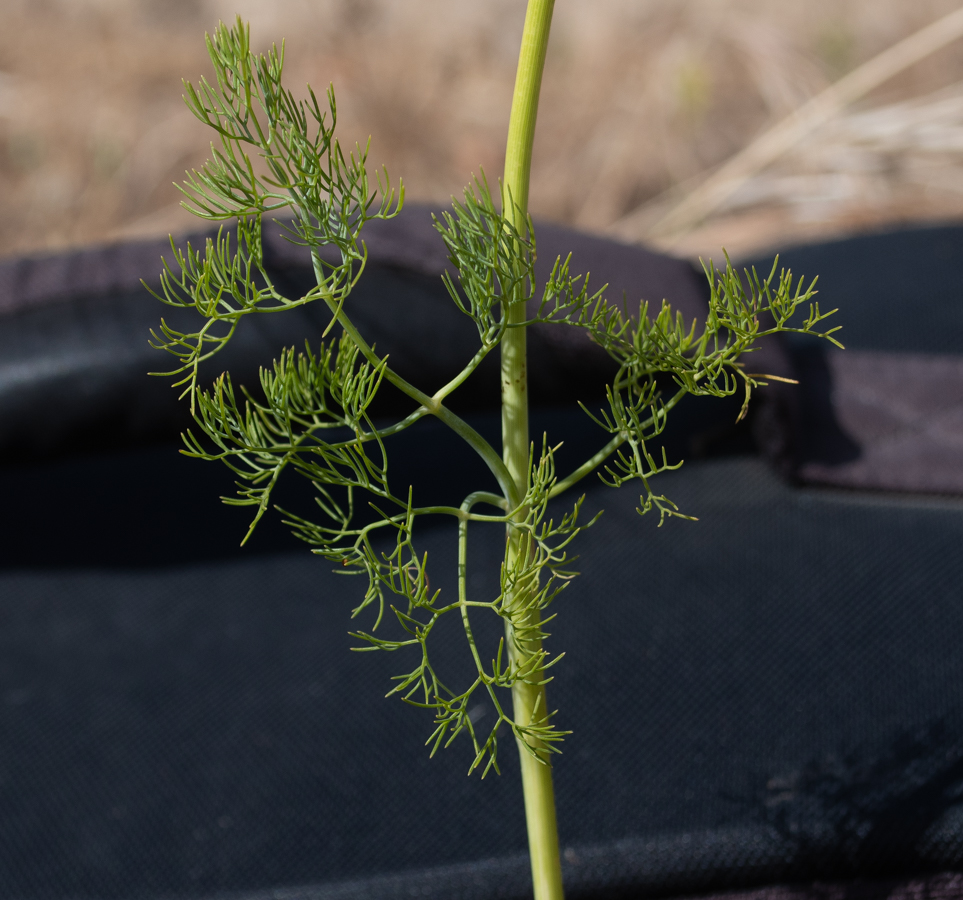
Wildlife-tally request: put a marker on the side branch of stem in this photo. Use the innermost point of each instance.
(456, 423)
(591, 464)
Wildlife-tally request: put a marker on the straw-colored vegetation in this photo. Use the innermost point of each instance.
(639, 95)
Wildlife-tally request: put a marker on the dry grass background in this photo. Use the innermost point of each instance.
(639, 96)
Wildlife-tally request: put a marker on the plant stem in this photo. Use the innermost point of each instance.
(528, 699)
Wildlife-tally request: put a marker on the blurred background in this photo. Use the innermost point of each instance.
(640, 98)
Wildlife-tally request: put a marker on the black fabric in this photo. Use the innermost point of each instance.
(772, 694)
(896, 291)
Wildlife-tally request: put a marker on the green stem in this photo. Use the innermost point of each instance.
(528, 699)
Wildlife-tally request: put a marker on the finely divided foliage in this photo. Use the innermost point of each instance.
(312, 414)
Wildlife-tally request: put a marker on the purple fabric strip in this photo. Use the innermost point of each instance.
(30, 281)
(904, 412)
(408, 241)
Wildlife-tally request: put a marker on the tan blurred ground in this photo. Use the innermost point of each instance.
(639, 95)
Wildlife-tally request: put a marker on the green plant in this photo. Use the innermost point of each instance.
(313, 412)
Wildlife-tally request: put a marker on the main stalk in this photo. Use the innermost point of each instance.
(528, 700)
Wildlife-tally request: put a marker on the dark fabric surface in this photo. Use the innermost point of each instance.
(886, 413)
(772, 694)
(896, 291)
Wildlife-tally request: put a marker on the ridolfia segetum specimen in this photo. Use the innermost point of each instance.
(311, 415)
